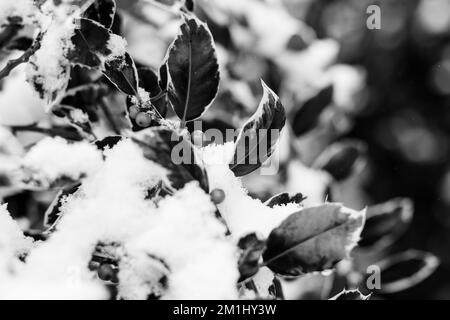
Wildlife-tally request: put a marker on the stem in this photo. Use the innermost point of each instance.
(53, 132)
(13, 63)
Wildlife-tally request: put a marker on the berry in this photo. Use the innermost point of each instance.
(133, 111)
(217, 196)
(143, 119)
(106, 272)
(93, 265)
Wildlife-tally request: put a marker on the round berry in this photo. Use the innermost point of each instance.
(143, 119)
(217, 196)
(133, 111)
(106, 272)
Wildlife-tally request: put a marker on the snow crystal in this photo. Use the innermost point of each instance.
(53, 158)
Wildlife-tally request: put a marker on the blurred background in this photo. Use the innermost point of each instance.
(368, 119)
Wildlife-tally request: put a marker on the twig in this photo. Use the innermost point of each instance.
(11, 64)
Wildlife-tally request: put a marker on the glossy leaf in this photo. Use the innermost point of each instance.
(251, 251)
(53, 212)
(257, 140)
(193, 69)
(313, 239)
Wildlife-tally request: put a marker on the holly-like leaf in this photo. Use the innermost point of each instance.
(251, 250)
(284, 198)
(102, 11)
(257, 139)
(149, 81)
(307, 116)
(89, 41)
(313, 239)
(386, 222)
(122, 72)
(53, 212)
(350, 295)
(340, 158)
(162, 145)
(404, 270)
(193, 69)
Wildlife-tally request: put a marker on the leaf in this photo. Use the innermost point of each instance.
(90, 44)
(257, 139)
(148, 80)
(350, 295)
(108, 142)
(158, 143)
(53, 212)
(307, 116)
(404, 270)
(193, 69)
(313, 239)
(284, 198)
(122, 73)
(340, 158)
(251, 251)
(102, 11)
(386, 222)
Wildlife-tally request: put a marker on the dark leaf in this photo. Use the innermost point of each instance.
(284, 198)
(251, 251)
(189, 4)
(307, 116)
(162, 145)
(350, 295)
(122, 73)
(163, 76)
(193, 70)
(53, 212)
(258, 136)
(148, 80)
(20, 43)
(313, 239)
(404, 270)
(102, 11)
(340, 158)
(386, 222)
(107, 142)
(89, 44)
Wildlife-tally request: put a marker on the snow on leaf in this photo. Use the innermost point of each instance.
(89, 44)
(193, 69)
(257, 140)
(313, 239)
(159, 144)
(122, 72)
(12, 239)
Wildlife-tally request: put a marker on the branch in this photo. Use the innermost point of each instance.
(13, 63)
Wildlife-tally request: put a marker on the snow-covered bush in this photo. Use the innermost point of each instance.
(127, 220)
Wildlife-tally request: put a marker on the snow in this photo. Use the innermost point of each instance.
(53, 158)
(18, 8)
(117, 45)
(242, 213)
(12, 240)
